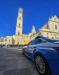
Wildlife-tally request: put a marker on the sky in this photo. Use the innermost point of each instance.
(35, 12)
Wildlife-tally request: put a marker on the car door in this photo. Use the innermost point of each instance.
(33, 46)
(30, 49)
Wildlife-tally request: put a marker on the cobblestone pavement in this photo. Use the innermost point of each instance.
(12, 62)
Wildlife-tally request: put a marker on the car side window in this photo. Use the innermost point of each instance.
(36, 41)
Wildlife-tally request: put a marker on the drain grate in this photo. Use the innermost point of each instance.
(24, 71)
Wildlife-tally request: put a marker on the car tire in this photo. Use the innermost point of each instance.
(41, 65)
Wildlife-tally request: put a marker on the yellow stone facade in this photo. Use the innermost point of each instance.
(49, 30)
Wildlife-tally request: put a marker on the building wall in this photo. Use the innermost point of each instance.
(51, 29)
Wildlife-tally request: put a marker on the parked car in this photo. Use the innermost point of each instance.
(2, 45)
(44, 54)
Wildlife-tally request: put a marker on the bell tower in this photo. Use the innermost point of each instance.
(19, 22)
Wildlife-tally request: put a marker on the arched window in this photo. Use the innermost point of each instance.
(19, 18)
(19, 25)
(56, 27)
(52, 37)
(18, 33)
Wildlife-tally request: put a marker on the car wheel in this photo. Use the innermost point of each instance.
(41, 65)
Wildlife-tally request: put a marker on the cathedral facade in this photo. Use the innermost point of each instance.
(51, 29)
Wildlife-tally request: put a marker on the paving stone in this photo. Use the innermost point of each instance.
(1, 72)
(24, 71)
(2, 68)
(12, 62)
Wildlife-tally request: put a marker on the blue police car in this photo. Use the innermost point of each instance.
(44, 54)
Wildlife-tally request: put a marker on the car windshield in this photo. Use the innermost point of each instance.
(37, 41)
